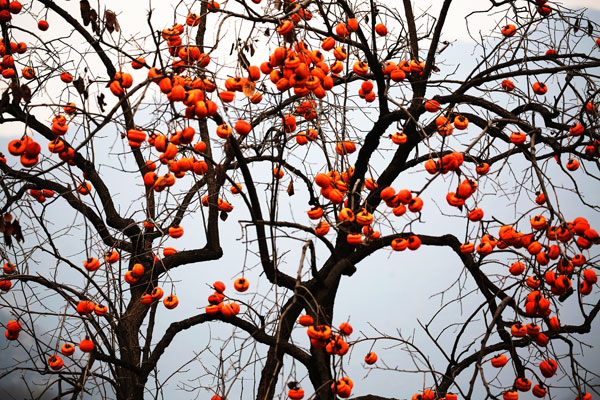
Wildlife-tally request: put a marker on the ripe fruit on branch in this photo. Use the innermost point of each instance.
(432, 106)
(86, 345)
(171, 301)
(241, 284)
(508, 85)
(381, 29)
(509, 30)
(55, 362)
(499, 361)
(539, 88)
(371, 358)
(66, 77)
(67, 349)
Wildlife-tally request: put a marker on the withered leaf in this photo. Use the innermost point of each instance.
(243, 60)
(290, 37)
(290, 189)
(248, 89)
(94, 20)
(110, 19)
(8, 229)
(12, 229)
(26, 93)
(223, 215)
(17, 233)
(590, 28)
(80, 86)
(576, 25)
(7, 239)
(84, 7)
(101, 102)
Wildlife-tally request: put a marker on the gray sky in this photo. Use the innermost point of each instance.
(397, 302)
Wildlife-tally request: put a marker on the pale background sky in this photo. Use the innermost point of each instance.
(404, 298)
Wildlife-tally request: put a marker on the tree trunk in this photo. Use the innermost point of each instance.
(131, 383)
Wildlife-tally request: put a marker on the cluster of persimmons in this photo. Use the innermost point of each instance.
(310, 74)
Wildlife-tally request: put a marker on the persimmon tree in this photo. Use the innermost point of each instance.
(306, 138)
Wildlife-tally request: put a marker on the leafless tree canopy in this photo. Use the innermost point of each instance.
(302, 139)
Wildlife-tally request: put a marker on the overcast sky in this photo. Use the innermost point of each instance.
(403, 303)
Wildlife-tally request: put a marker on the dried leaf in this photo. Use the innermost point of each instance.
(84, 6)
(94, 21)
(223, 215)
(110, 19)
(7, 239)
(8, 230)
(80, 86)
(17, 233)
(248, 88)
(290, 37)
(576, 25)
(243, 60)
(101, 102)
(590, 28)
(26, 93)
(12, 229)
(290, 189)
